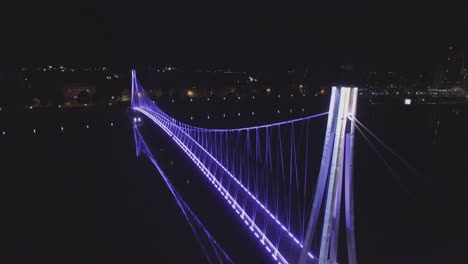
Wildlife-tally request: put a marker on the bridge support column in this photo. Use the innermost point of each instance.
(337, 160)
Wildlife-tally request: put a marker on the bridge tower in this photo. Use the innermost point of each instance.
(336, 164)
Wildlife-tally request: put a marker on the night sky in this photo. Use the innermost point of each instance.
(390, 34)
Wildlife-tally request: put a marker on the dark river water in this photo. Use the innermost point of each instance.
(82, 196)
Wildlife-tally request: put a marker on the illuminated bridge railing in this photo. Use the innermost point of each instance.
(263, 173)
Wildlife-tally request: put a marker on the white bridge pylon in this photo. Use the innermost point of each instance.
(337, 162)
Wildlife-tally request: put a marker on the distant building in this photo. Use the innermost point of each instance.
(450, 80)
(448, 91)
(71, 91)
(454, 68)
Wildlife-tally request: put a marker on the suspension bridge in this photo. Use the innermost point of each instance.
(264, 175)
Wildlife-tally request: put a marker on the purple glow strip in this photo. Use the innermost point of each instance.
(180, 202)
(189, 127)
(164, 127)
(194, 128)
(227, 196)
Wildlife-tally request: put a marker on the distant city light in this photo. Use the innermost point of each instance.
(61, 128)
(34, 131)
(253, 113)
(3, 132)
(87, 126)
(407, 101)
(238, 114)
(111, 124)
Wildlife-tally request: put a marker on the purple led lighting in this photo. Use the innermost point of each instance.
(195, 142)
(221, 188)
(209, 154)
(219, 252)
(186, 127)
(227, 196)
(198, 162)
